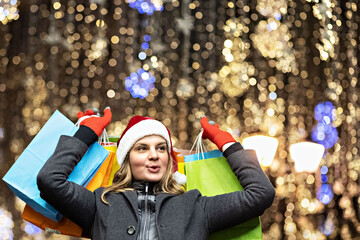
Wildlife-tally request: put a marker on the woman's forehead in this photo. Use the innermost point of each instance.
(151, 139)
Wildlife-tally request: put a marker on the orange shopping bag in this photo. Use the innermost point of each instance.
(180, 154)
(101, 177)
(111, 146)
(66, 226)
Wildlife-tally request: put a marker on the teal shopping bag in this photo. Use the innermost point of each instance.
(21, 177)
(205, 155)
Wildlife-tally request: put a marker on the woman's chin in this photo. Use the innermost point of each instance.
(153, 177)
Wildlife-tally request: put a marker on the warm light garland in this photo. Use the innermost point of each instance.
(251, 66)
(306, 155)
(8, 10)
(264, 146)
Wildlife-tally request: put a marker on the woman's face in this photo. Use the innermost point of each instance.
(149, 158)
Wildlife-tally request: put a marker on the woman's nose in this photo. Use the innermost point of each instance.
(153, 154)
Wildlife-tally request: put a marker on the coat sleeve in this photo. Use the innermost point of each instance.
(227, 210)
(70, 199)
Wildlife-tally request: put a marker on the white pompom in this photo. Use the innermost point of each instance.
(179, 178)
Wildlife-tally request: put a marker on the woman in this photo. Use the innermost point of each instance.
(145, 202)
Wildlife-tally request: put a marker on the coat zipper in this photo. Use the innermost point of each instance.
(146, 211)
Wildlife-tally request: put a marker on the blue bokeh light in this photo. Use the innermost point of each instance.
(145, 45)
(272, 95)
(325, 112)
(31, 229)
(324, 132)
(325, 194)
(147, 38)
(277, 16)
(324, 170)
(327, 227)
(146, 6)
(142, 55)
(139, 83)
(6, 225)
(324, 178)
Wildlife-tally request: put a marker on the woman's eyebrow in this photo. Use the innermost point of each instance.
(162, 143)
(140, 144)
(147, 144)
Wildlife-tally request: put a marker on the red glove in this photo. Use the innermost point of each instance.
(95, 123)
(214, 134)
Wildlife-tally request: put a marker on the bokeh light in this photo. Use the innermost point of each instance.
(6, 225)
(283, 69)
(324, 132)
(32, 229)
(8, 10)
(307, 156)
(264, 146)
(146, 6)
(140, 83)
(325, 194)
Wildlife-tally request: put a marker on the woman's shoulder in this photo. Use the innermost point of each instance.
(191, 195)
(99, 191)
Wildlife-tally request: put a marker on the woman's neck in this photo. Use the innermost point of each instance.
(142, 186)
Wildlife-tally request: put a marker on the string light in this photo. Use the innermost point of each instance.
(258, 67)
(325, 194)
(6, 225)
(235, 76)
(264, 146)
(328, 227)
(146, 6)
(307, 156)
(139, 83)
(8, 11)
(32, 229)
(324, 132)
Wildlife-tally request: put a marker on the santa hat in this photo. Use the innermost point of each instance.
(139, 127)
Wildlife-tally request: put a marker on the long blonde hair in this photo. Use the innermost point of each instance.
(123, 179)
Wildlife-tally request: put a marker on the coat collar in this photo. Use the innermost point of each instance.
(160, 199)
(132, 198)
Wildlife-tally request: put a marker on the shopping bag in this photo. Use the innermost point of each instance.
(179, 159)
(111, 145)
(199, 151)
(65, 226)
(205, 155)
(21, 177)
(101, 178)
(213, 176)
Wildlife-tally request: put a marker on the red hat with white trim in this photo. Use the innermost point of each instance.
(139, 127)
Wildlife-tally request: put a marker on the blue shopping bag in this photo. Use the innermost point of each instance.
(21, 177)
(203, 155)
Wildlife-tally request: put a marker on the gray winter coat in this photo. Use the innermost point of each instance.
(187, 216)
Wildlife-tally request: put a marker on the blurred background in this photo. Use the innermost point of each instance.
(280, 75)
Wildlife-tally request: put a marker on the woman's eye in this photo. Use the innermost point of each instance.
(162, 148)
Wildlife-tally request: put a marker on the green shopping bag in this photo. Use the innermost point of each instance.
(213, 176)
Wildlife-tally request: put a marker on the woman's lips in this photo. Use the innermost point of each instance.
(153, 169)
